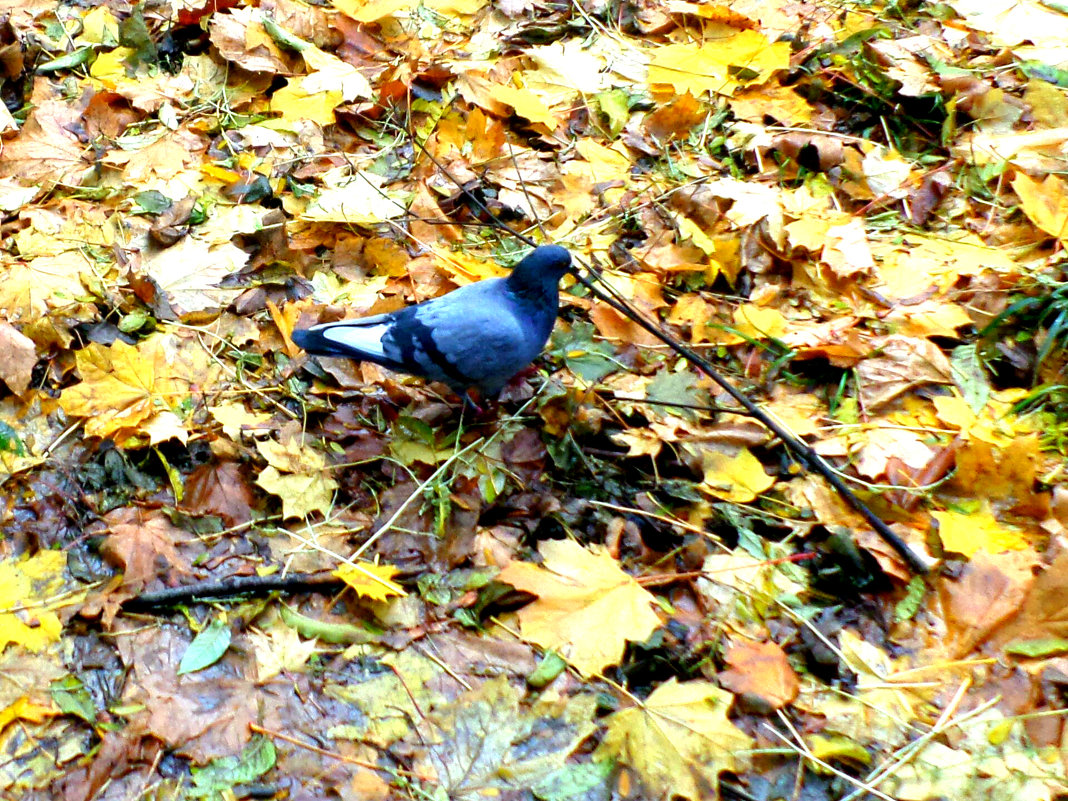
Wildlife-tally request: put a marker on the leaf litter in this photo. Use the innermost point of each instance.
(614, 585)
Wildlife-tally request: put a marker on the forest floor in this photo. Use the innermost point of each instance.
(232, 570)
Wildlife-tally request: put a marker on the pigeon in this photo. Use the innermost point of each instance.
(476, 337)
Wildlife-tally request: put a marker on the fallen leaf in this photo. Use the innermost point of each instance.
(679, 740)
(760, 669)
(968, 534)
(580, 592)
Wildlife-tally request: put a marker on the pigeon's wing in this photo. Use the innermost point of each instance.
(471, 337)
(353, 339)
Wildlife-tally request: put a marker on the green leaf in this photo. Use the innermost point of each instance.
(680, 387)
(575, 781)
(591, 361)
(550, 666)
(969, 376)
(311, 628)
(1043, 646)
(10, 440)
(615, 105)
(908, 606)
(69, 61)
(207, 648)
(134, 33)
(151, 201)
(284, 37)
(224, 774)
(70, 695)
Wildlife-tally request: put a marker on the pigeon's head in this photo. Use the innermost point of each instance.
(543, 267)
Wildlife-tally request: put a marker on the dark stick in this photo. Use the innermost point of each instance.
(239, 585)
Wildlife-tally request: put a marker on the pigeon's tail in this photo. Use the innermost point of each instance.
(353, 340)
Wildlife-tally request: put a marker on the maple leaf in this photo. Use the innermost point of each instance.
(301, 493)
(990, 590)
(580, 592)
(280, 649)
(26, 587)
(738, 477)
(358, 199)
(371, 581)
(297, 474)
(486, 742)
(124, 388)
(190, 272)
(720, 67)
(1044, 203)
(760, 669)
(33, 289)
(967, 534)
(46, 150)
(679, 740)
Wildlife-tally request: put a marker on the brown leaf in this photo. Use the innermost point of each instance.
(144, 545)
(989, 591)
(760, 669)
(46, 150)
(1044, 613)
(219, 489)
(901, 364)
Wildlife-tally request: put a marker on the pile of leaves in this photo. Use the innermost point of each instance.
(230, 570)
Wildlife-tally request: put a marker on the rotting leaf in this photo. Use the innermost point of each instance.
(486, 743)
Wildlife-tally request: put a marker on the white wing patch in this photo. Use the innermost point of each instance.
(363, 338)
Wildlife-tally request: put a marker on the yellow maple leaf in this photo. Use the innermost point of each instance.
(278, 650)
(235, 418)
(25, 708)
(363, 11)
(979, 531)
(301, 493)
(370, 580)
(358, 199)
(752, 322)
(464, 269)
(22, 582)
(928, 319)
(296, 103)
(781, 102)
(123, 387)
(679, 740)
(587, 607)
(737, 477)
(718, 66)
(29, 291)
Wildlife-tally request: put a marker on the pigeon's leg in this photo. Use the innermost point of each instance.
(472, 404)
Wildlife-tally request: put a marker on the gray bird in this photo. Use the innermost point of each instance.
(475, 337)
